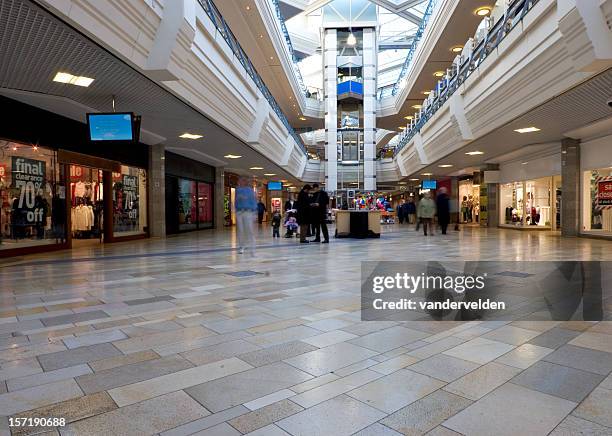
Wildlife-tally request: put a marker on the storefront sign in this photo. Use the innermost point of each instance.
(276, 203)
(604, 192)
(130, 196)
(28, 177)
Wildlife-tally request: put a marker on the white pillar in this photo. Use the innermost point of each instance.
(330, 53)
(369, 109)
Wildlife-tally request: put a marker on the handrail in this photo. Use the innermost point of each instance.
(465, 67)
(222, 27)
(296, 68)
(391, 91)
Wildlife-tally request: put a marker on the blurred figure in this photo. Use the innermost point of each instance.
(261, 209)
(320, 201)
(411, 211)
(418, 217)
(304, 212)
(246, 207)
(276, 223)
(401, 212)
(426, 211)
(443, 206)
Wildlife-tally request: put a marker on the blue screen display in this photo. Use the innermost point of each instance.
(429, 184)
(110, 127)
(275, 186)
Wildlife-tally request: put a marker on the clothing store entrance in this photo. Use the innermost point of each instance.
(86, 205)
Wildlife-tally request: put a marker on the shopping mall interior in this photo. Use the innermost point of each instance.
(306, 217)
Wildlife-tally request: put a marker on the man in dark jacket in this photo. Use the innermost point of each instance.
(261, 209)
(443, 207)
(304, 212)
(320, 201)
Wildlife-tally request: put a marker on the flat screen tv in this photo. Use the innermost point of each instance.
(117, 126)
(275, 186)
(429, 184)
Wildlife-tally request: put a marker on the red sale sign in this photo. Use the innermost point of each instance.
(604, 193)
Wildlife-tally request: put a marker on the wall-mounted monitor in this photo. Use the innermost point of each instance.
(116, 126)
(275, 186)
(429, 184)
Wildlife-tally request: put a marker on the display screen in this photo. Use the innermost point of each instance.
(429, 184)
(275, 186)
(111, 127)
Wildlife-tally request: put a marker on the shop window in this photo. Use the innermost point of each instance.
(32, 197)
(526, 203)
(469, 201)
(597, 201)
(87, 200)
(205, 205)
(129, 202)
(187, 205)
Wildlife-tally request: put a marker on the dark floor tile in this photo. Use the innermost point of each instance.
(585, 359)
(148, 300)
(64, 359)
(554, 338)
(77, 317)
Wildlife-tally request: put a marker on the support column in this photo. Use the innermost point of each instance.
(369, 109)
(219, 206)
(157, 191)
(489, 195)
(570, 187)
(330, 53)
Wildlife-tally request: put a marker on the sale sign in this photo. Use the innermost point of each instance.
(29, 177)
(604, 192)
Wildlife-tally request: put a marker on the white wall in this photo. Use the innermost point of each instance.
(516, 171)
(596, 153)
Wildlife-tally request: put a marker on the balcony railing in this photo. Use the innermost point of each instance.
(389, 91)
(224, 30)
(464, 66)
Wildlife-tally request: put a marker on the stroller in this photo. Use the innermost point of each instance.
(291, 225)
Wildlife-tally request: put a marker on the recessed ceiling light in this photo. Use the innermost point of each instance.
(261, 36)
(474, 153)
(248, 7)
(302, 118)
(524, 163)
(445, 166)
(190, 136)
(402, 127)
(232, 156)
(527, 129)
(426, 92)
(417, 106)
(413, 180)
(269, 174)
(427, 174)
(73, 80)
(409, 117)
(401, 183)
(483, 11)
(457, 48)
(256, 168)
(438, 74)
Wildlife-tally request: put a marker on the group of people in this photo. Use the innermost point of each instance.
(426, 210)
(309, 212)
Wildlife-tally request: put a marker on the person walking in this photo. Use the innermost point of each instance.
(246, 206)
(426, 212)
(304, 212)
(320, 203)
(411, 211)
(401, 212)
(443, 207)
(276, 223)
(261, 209)
(418, 217)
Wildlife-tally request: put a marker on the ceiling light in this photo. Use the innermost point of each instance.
(269, 174)
(248, 8)
(261, 36)
(73, 80)
(427, 174)
(402, 127)
(426, 92)
(438, 74)
(445, 166)
(474, 153)
(417, 106)
(190, 136)
(351, 40)
(302, 118)
(401, 183)
(483, 11)
(413, 180)
(527, 130)
(457, 48)
(14, 148)
(232, 156)
(409, 117)
(256, 168)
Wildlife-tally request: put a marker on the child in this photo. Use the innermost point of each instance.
(291, 225)
(276, 222)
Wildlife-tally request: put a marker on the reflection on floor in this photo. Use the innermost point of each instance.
(186, 336)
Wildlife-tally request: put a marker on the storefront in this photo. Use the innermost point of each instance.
(469, 201)
(596, 187)
(189, 194)
(229, 198)
(530, 195)
(58, 190)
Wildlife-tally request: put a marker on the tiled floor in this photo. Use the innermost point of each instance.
(186, 336)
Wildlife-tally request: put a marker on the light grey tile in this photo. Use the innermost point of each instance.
(377, 429)
(242, 323)
(483, 380)
(47, 377)
(340, 416)
(395, 391)
(265, 416)
(74, 318)
(314, 383)
(524, 356)
(330, 358)
(141, 343)
(19, 368)
(201, 356)
(596, 341)
(572, 426)
(113, 362)
(389, 339)
(94, 338)
(436, 347)
(266, 400)
(329, 338)
(394, 364)
(596, 407)
(356, 367)
(246, 386)
(479, 350)
(516, 411)
(269, 430)
(192, 344)
(442, 367)
(329, 324)
(206, 422)
(290, 334)
(511, 335)
(169, 410)
(425, 414)
(223, 429)
(38, 396)
(560, 381)
(64, 359)
(276, 353)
